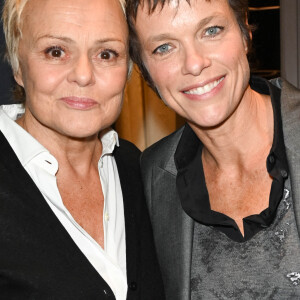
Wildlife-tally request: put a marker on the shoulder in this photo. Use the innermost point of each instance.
(160, 152)
(128, 148)
(290, 111)
(288, 90)
(127, 153)
(127, 157)
(290, 100)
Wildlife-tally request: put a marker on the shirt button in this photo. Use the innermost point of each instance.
(106, 292)
(133, 285)
(284, 173)
(106, 217)
(271, 159)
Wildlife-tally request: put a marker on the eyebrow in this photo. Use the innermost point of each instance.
(108, 40)
(70, 41)
(53, 37)
(164, 36)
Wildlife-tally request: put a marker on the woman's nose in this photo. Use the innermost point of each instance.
(194, 62)
(82, 71)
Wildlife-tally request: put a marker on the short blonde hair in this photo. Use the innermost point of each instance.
(11, 18)
(12, 24)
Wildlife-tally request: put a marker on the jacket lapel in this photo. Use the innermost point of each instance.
(173, 230)
(290, 110)
(129, 192)
(12, 169)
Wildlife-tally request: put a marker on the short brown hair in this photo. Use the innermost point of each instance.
(239, 7)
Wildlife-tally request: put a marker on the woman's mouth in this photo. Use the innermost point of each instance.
(201, 90)
(81, 103)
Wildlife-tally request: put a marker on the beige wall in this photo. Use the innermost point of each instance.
(145, 118)
(290, 40)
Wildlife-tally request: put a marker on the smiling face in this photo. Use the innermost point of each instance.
(197, 58)
(73, 65)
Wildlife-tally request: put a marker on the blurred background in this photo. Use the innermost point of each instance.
(145, 119)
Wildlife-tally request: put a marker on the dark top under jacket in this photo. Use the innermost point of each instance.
(194, 195)
(38, 258)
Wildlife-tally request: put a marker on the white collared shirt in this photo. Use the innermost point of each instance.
(42, 167)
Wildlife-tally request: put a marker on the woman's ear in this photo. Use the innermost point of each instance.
(249, 33)
(245, 45)
(18, 77)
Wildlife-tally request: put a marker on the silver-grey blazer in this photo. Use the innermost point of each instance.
(172, 227)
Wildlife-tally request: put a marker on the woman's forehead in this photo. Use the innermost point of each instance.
(72, 6)
(48, 11)
(159, 4)
(74, 21)
(176, 6)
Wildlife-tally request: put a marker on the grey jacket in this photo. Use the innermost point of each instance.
(172, 227)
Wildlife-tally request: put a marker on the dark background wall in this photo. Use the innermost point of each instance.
(265, 16)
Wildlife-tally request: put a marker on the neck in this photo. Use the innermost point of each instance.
(79, 154)
(244, 138)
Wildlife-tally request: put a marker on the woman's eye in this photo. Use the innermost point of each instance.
(212, 31)
(55, 52)
(165, 48)
(108, 54)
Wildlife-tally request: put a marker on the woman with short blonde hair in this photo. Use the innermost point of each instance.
(73, 220)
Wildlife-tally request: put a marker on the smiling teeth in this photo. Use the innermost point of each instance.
(204, 89)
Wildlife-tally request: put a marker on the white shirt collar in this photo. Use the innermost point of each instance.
(24, 145)
(109, 140)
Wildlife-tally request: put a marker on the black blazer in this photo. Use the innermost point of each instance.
(38, 258)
